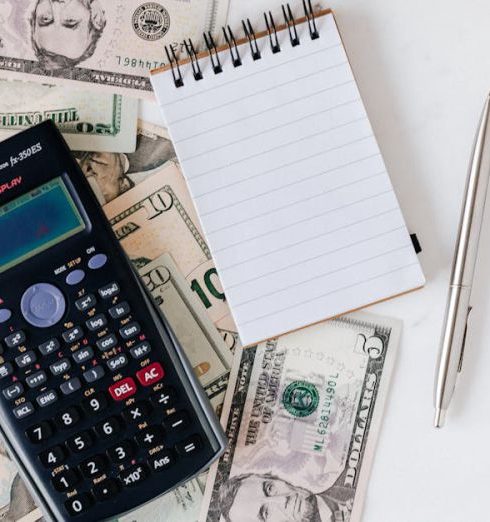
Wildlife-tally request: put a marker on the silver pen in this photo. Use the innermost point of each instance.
(458, 303)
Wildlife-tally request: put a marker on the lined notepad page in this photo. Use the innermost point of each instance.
(289, 184)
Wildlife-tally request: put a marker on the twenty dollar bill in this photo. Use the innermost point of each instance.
(302, 414)
(87, 120)
(102, 44)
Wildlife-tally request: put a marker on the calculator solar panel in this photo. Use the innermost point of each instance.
(98, 405)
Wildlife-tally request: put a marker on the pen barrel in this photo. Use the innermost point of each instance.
(473, 206)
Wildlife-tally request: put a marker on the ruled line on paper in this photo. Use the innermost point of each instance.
(323, 274)
(278, 147)
(291, 184)
(361, 200)
(346, 287)
(302, 261)
(291, 204)
(262, 112)
(256, 73)
(285, 165)
(272, 129)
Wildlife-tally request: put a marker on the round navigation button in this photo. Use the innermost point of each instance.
(75, 277)
(43, 305)
(97, 261)
(5, 315)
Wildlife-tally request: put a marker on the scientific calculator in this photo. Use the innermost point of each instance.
(98, 405)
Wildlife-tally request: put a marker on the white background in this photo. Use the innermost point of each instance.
(423, 69)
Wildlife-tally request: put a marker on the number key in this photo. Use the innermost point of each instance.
(53, 456)
(65, 480)
(68, 418)
(121, 452)
(39, 432)
(95, 404)
(78, 504)
(109, 427)
(93, 466)
(80, 442)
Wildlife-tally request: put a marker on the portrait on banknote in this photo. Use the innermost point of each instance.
(114, 174)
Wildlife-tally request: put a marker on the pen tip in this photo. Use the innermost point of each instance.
(439, 418)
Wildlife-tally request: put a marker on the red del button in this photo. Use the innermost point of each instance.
(151, 374)
(123, 389)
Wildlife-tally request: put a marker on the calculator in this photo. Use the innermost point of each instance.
(98, 405)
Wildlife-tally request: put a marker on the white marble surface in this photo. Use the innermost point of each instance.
(424, 70)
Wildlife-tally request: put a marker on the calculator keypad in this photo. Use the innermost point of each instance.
(110, 421)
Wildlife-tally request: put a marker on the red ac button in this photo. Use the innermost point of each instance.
(151, 374)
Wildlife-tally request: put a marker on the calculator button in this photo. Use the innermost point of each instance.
(189, 446)
(68, 418)
(5, 315)
(80, 442)
(53, 457)
(36, 379)
(95, 404)
(108, 291)
(93, 466)
(47, 398)
(94, 374)
(97, 261)
(72, 335)
(78, 504)
(137, 412)
(96, 323)
(65, 480)
(109, 427)
(176, 421)
(49, 346)
(60, 367)
(134, 476)
(24, 410)
(106, 489)
(15, 339)
(83, 355)
(118, 362)
(150, 437)
(162, 460)
(106, 343)
(6, 370)
(43, 305)
(121, 452)
(130, 330)
(13, 391)
(123, 389)
(70, 386)
(39, 432)
(75, 277)
(25, 359)
(165, 397)
(151, 374)
(120, 310)
(140, 350)
(85, 302)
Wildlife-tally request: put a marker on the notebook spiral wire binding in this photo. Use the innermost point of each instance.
(233, 46)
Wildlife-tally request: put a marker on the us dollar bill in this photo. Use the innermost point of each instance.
(88, 120)
(157, 216)
(302, 415)
(204, 347)
(16, 503)
(101, 44)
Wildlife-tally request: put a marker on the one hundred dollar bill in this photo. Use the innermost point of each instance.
(88, 120)
(302, 414)
(154, 214)
(101, 44)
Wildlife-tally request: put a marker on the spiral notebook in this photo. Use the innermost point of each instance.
(287, 177)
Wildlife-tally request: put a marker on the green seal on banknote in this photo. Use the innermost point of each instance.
(300, 398)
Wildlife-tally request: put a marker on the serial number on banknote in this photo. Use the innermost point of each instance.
(134, 63)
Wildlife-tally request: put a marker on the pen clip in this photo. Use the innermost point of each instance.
(460, 364)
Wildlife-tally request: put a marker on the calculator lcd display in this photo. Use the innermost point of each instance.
(37, 221)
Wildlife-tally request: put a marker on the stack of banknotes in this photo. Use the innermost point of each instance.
(301, 412)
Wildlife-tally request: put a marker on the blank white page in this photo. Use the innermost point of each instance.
(289, 184)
